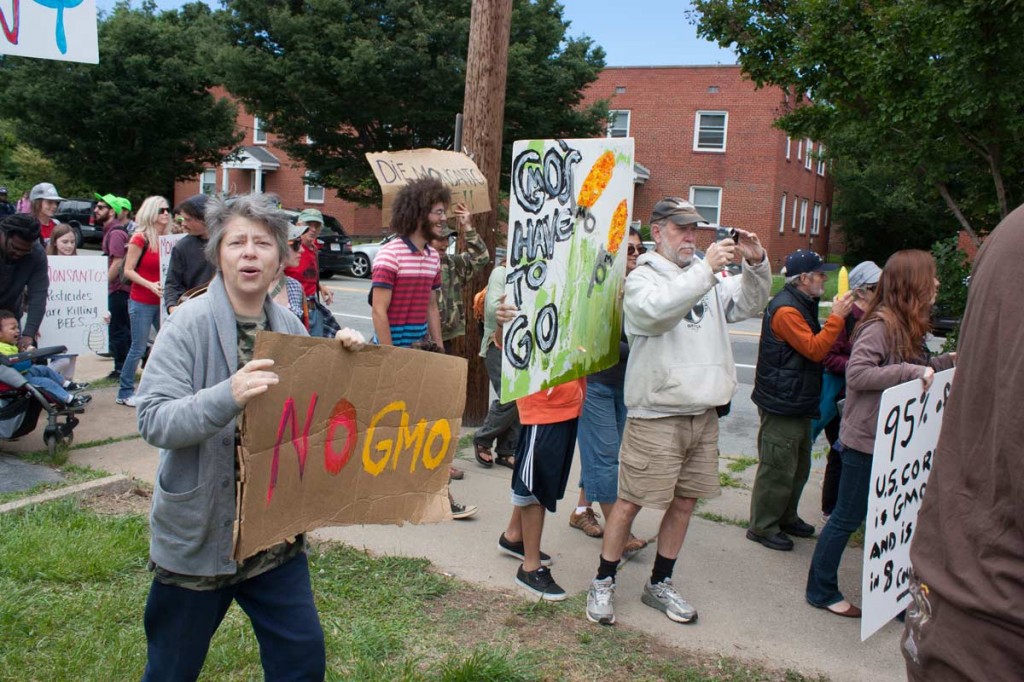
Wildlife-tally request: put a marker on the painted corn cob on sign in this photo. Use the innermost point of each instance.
(569, 213)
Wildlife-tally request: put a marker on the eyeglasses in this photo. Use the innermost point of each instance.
(102, 207)
(164, 210)
(439, 212)
(295, 245)
(636, 250)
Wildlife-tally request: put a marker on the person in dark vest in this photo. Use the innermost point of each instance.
(787, 389)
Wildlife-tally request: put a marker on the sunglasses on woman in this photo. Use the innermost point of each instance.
(295, 246)
(164, 210)
(636, 250)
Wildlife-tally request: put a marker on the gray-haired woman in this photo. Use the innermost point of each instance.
(199, 378)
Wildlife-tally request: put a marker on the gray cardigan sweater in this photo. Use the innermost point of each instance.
(185, 409)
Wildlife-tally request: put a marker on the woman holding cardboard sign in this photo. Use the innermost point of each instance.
(888, 350)
(200, 377)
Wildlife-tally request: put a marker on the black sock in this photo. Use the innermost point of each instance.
(607, 569)
(662, 569)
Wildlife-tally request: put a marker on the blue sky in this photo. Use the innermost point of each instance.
(632, 33)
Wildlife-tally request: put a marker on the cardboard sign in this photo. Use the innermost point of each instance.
(167, 242)
(569, 214)
(909, 422)
(50, 29)
(346, 438)
(394, 170)
(76, 304)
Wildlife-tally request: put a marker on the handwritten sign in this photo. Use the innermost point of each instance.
(50, 29)
(909, 422)
(76, 304)
(167, 242)
(394, 170)
(346, 438)
(569, 212)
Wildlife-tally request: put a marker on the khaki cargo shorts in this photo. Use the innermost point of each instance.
(669, 457)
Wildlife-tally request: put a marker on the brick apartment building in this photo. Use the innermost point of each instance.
(259, 165)
(705, 133)
(702, 132)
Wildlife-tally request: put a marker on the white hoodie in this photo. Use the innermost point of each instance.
(680, 359)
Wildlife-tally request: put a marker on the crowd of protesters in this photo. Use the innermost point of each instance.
(647, 429)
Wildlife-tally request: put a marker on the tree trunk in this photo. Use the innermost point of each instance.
(484, 118)
(951, 204)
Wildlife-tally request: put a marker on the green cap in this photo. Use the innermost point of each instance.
(310, 215)
(109, 199)
(123, 204)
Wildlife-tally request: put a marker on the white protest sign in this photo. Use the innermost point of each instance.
(76, 304)
(569, 212)
(167, 242)
(50, 29)
(909, 422)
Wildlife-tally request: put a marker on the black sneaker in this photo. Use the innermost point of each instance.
(799, 529)
(516, 549)
(114, 375)
(539, 583)
(79, 401)
(779, 541)
(75, 387)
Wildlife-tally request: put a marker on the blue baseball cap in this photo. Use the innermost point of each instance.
(802, 261)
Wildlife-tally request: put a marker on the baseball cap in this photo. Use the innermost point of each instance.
(296, 231)
(311, 215)
(44, 190)
(865, 274)
(194, 206)
(109, 199)
(122, 204)
(803, 261)
(3, 190)
(679, 211)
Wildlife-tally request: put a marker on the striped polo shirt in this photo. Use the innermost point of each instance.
(412, 275)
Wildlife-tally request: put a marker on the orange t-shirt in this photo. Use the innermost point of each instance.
(790, 326)
(556, 404)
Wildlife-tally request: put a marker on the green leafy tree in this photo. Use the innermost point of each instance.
(137, 121)
(357, 76)
(925, 87)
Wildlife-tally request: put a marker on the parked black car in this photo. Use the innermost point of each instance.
(335, 246)
(78, 214)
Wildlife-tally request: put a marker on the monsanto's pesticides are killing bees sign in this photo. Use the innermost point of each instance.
(909, 422)
(570, 209)
(49, 29)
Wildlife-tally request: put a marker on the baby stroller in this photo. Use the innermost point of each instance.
(21, 403)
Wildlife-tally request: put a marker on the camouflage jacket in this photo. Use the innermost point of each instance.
(456, 271)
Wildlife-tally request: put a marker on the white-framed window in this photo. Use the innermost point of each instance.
(789, 145)
(259, 135)
(809, 156)
(782, 213)
(314, 194)
(821, 160)
(799, 149)
(208, 181)
(708, 202)
(816, 219)
(803, 216)
(709, 131)
(618, 123)
(792, 218)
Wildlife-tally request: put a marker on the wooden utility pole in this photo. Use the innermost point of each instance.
(484, 118)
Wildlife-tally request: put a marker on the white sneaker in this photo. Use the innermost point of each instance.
(600, 604)
(663, 596)
(127, 402)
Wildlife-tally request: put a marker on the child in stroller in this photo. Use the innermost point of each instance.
(42, 377)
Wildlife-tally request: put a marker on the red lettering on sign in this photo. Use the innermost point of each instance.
(301, 445)
(9, 33)
(343, 414)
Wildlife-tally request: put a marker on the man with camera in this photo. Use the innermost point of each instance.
(680, 370)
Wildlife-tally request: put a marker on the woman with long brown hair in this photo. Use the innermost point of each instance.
(62, 241)
(888, 350)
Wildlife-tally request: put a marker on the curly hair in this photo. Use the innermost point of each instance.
(413, 203)
(903, 301)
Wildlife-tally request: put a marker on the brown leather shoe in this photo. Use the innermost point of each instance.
(634, 544)
(586, 522)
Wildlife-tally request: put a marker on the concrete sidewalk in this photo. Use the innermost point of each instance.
(750, 598)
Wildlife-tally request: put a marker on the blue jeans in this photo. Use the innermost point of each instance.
(180, 623)
(143, 316)
(851, 510)
(600, 435)
(47, 380)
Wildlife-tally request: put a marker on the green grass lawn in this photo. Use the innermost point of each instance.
(74, 585)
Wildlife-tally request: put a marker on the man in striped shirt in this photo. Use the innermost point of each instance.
(407, 277)
(407, 270)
